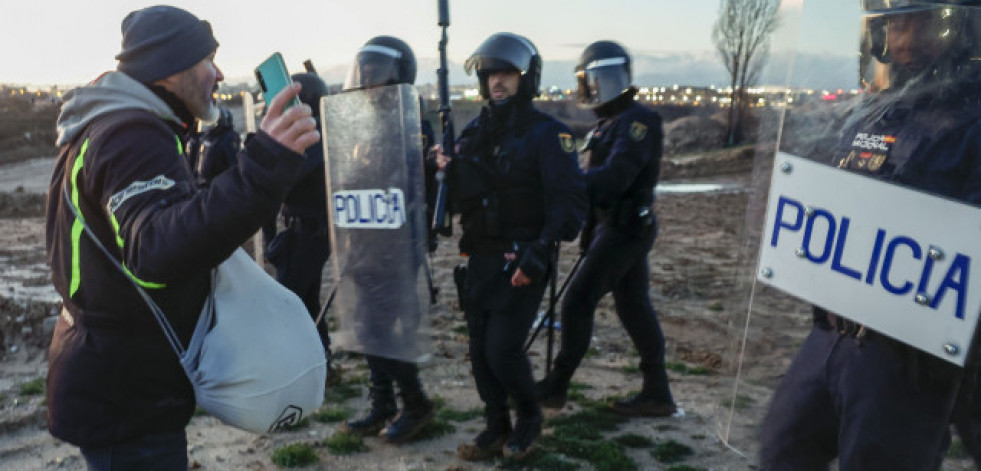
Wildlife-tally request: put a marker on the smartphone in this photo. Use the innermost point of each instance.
(273, 78)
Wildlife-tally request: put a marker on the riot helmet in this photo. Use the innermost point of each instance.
(909, 41)
(507, 51)
(383, 60)
(603, 73)
(313, 88)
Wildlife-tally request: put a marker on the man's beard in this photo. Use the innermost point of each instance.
(211, 114)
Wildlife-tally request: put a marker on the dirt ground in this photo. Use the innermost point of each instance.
(701, 284)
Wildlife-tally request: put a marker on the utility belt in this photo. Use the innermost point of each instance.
(847, 327)
(626, 215)
(496, 247)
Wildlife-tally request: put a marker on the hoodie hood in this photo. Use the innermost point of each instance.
(113, 91)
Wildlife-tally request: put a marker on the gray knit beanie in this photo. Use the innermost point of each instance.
(160, 41)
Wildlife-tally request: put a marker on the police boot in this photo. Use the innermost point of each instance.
(553, 390)
(490, 442)
(526, 431)
(383, 408)
(647, 403)
(417, 411)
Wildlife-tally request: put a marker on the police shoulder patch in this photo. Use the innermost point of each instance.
(566, 141)
(638, 130)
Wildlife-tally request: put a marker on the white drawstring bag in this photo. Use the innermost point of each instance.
(255, 359)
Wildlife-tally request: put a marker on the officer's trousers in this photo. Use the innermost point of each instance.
(859, 400)
(616, 261)
(385, 370)
(499, 317)
(299, 257)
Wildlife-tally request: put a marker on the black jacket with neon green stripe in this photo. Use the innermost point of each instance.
(112, 376)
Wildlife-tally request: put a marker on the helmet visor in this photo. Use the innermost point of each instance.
(602, 80)
(500, 52)
(374, 66)
(899, 45)
(897, 6)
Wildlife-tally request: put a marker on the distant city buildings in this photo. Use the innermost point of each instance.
(673, 95)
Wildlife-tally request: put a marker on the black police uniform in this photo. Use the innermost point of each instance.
(215, 150)
(519, 190)
(624, 163)
(853, 393)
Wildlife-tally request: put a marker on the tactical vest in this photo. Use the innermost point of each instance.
(498, 192)
(903, 145)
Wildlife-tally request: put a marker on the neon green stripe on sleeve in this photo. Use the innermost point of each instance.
(77, 225)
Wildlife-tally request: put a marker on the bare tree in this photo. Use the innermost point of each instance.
(742, 38)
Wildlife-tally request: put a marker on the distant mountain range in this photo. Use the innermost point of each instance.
(665, 69)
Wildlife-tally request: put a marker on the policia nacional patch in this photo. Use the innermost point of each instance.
(567, 143)
(637, 130)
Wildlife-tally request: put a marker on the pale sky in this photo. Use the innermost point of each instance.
(72, 42)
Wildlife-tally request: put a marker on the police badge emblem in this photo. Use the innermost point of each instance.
(875, 163)
(637, 130)
(567, 143)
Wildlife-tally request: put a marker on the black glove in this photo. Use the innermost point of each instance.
(535, 260)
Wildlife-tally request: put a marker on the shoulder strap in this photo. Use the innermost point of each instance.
(158, 314)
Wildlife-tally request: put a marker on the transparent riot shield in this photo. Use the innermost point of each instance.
(373, 155)
(857, 222)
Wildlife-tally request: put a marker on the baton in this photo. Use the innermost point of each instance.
(553, 300)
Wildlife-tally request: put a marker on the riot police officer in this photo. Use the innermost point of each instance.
(214, 151)
(624, 161)
(386, 60)
(519, 191)
(300, 251)
(851, 392)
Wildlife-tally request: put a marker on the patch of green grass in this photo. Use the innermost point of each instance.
(575, 392)
(461, 329)
(633, 440)
(34, 387)
(671, 452)
(603, 455)
(460, 415)
(685, 369)
(341, 392)
(359, 379)
(683, 467)
(198, 411)
(345, 443)
(301, 424)
(740, 402)
(294, 455)
(591, 352)
(434, 429)
(579, 430)
(630, 369)
(957, 450)
(540, 459)
(598, 417)
(576, 396)
(439, 402)
(331, 414)
(578, 435)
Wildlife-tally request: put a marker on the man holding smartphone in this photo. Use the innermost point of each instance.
(115, 387)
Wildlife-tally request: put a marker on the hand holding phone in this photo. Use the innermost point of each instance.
(273, 78)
